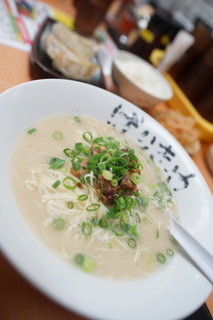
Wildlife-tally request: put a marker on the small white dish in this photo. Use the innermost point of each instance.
(174, 292)
(138, 81)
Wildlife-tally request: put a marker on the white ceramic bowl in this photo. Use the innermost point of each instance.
(138, 81)
(173, 293)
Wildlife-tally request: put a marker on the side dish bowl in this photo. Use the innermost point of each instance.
(39, 57)
(138, 81)
(174, 292)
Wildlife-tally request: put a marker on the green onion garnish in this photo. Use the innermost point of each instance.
(107, 174)
(77, 119)
(76, 165)
(142, 201)
(94, 222)
(161, 258)
(138, 219)
(56, 184)
(131, 243)
(118, 231)
(58, 135)
(79, 259)
(157, 234)
(130, 203)
(170, 252)
(120, 203)
(85, 263)
(87, 136)
(31, 130)
(83, 197)
(68, 152)
(114, 183)
(70, 204)
(103, 223)
(135, 178)
(86, 228)
(56, 163)
(173, 239)
(93, 207)
(58, 223)
(134, 230)
(69, 183)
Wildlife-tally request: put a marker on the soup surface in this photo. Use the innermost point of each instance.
(93, 197)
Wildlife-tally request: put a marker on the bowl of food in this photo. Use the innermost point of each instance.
(63, 53)
(87, 180)
(138, 81)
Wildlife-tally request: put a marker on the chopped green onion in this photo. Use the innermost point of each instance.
(101, 166)
(124, 220)
(56, 184)
(142, 201)
(103, 223)
(69, 183)
(120, 203)
(58, 223)
(173, 239)
(99, 141)
(161, 258)
(93, 207)
(135, 178)
(109, 245)
(56, 163)
(87, 136)
(118, 163)
(68, 152)
(77, 119)
(70, 204)
(130, 203)
(138, 219)
(107, 175)
(95, 222)
(111, 214)
(58, 135)
(157, 234)
(86, 264)
(131, 243)
(118, 231)
(114, 183)
(83, 197)
(86, 228)
(170, 252)
(82, 179)
(76, 164)
(134, 230)
(79, 259)
(63, 169)
(31, 130)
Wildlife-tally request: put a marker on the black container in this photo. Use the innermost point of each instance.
(159, 33)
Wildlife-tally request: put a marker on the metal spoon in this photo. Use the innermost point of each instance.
(199, 255)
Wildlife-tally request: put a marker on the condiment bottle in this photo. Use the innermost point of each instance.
(159, 33)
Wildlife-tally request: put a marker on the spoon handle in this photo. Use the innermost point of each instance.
(200, 256)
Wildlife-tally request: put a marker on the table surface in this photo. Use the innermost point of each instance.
(18, 298)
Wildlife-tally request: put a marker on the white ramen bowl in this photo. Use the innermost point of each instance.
(138, 81)
(174, 292)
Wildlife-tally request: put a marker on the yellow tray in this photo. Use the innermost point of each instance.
(181, 103)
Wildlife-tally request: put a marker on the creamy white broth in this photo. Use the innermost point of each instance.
(40, 203)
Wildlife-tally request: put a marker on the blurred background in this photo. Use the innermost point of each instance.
(148, 28)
